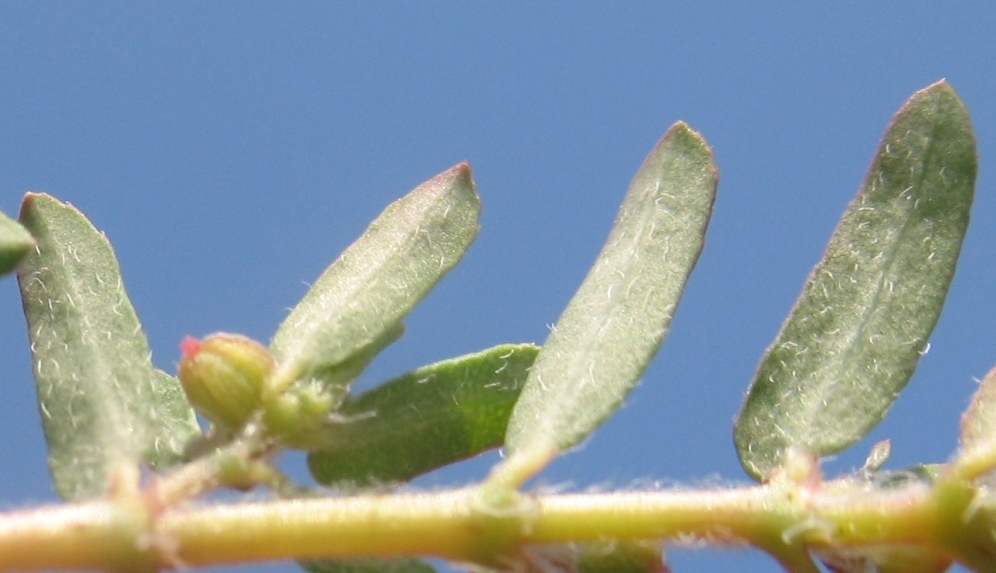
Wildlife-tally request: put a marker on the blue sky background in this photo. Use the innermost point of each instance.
(231, 150)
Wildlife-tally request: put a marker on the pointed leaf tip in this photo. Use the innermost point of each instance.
(356, 307)
(430, 417)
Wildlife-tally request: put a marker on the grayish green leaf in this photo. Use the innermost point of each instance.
(865, 313)
(368, 290)
(344, 373)
(616, 557)
(617, 320)
(978, 424)
(103, 403)
(15, 242)
(372, 565)
(427, 418)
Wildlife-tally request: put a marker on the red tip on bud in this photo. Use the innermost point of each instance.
(190, 346)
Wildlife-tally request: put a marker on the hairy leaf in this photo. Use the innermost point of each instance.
(865, 313)
(15, 242)
(618, 318)
(103, 403)
(425, 419)
(978, 424)
(357, 305)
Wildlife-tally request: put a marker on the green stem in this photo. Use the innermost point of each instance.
(463, 525)
(95, 536)
(966, 523)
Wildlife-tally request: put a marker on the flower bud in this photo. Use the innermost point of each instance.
(223, 377)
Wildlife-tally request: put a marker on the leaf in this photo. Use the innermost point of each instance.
(627, 557)
(360, 300)
(345, 372)
(15, 242)
(978, 424)
(618, 318)
(372, 565)
(427, 418)
(103, 403)
(884, 559)
(865, 313)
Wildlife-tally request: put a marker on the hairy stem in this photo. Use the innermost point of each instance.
(470, 525)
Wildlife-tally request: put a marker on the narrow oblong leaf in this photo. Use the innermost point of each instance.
(618, 318)
(103, 403)
(853, 339)
(425, 419)
(15, 242)
(363, 296)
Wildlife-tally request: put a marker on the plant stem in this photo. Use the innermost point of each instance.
(461, 525)
(96, 535)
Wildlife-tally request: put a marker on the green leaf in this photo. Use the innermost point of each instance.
(617, 320)
(15, 242)
(427, 418)
(978, 424)
(344, 373)
(865, 313)
(615, 557)
(360, 300)
(372, 565)
(103, 403)
(889, 559)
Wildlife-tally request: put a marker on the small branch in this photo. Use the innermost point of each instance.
(462, 525)
(97, 536)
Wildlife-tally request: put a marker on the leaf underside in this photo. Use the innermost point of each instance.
(616, 321)
(356, 306)
(425, 419)
(853, 339)
(103, 403)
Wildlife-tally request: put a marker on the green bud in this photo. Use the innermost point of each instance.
(223, 377)
(298, 415)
